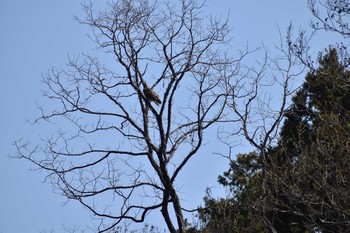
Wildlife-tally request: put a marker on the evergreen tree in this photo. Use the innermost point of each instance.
(314, 173)
(308, 171)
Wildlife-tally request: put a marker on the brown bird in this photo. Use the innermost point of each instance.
(151, 95)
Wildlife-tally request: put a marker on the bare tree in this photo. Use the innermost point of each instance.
(260, 99)
(331, 15)
(117, 153)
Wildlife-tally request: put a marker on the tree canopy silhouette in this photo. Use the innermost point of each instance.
(302, 185)
(118, 154)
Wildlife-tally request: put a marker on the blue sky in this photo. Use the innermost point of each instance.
(39, 34)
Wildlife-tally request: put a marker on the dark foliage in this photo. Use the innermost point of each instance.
(308, 171)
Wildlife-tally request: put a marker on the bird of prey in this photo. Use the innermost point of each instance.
(151, 95)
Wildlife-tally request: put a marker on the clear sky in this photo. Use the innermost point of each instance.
(38, 34)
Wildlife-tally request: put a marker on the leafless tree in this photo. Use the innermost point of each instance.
(329, 16)
(116, 152)
(259, 102)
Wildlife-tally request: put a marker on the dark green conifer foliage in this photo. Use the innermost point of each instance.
(308, 170)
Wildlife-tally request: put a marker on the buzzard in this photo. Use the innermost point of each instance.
(151, 95)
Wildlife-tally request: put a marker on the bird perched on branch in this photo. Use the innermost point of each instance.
(151, 95)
